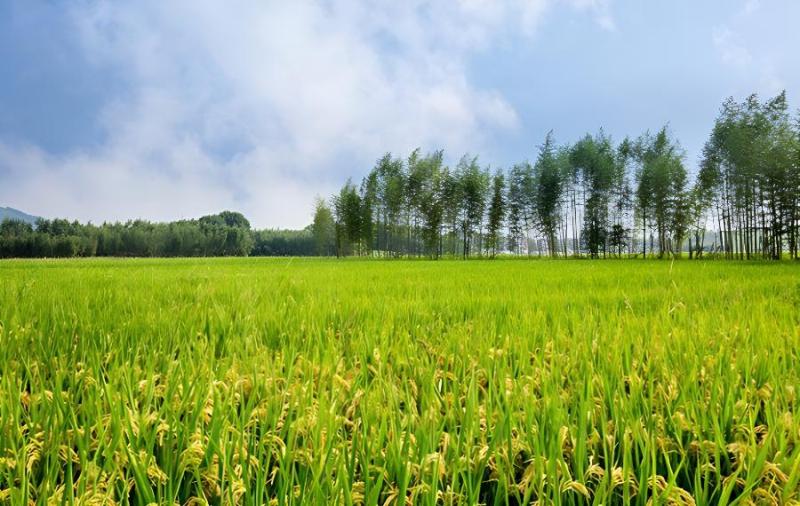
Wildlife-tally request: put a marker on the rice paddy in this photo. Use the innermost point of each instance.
(278, 381)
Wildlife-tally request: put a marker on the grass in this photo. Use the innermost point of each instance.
(280, 381)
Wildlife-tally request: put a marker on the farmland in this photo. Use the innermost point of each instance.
(291, 381)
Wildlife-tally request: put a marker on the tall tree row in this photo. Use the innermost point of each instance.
(593, 198)
(749, 180)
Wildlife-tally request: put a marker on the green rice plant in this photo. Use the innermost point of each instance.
(288, 381)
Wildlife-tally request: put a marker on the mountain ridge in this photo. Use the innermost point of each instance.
(9, 213)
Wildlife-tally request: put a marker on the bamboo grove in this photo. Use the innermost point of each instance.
(593, 198)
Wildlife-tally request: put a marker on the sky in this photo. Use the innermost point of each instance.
(169, 110)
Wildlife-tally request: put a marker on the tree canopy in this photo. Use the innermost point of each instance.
(592, 198)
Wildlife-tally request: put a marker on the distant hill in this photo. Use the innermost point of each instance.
(8, 213)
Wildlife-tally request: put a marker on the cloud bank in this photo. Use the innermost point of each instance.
(258, 106)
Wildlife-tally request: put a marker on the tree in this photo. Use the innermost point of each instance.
(348, 215)
(661, 194)
(622, 199)
(618, 238)
(431, 201)
(227, 234)
(594, 159)
(548, 189)
(520, 203)
(288, 243)
(748, 182)
(452, 197)
(474, 185)
(323, 229)
(390, 195)
(497, 212)
(233, 219)
(369, 209)
(415, 180)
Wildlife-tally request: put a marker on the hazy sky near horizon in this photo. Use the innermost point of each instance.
(167, 110)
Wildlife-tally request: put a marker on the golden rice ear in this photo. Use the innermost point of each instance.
(574, 486)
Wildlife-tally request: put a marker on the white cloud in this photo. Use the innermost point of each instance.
(256, 106)
(730, 47)
(751, 52)
(600, 9)
(750, 7)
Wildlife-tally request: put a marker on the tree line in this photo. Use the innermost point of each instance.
(594, 198)
(224, 234)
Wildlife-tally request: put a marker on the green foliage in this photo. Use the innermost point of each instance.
(750, 178)
(259, 381)
(285, 243)
(431, 204)
(549, 179)
(578, 200)
(349, 215)
(224, 234)
(521, 191)
(390, 198)
(497, 213)
(324, 229)
(662, 195)
(474, 183)
(594, 159)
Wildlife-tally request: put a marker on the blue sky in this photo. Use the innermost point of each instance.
(166, 110)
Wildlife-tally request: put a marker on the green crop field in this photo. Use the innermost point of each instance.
(254, 381)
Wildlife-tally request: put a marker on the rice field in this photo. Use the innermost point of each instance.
(278, 381)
